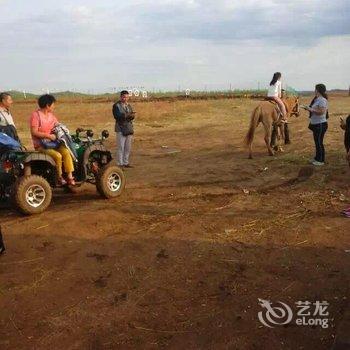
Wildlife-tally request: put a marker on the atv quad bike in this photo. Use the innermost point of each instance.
(28, 177)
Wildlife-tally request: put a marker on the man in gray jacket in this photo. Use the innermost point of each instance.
(123, 115)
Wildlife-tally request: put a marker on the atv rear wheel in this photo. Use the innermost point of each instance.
(110, 181)
(31, 194)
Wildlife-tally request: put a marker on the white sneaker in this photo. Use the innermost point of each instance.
(312, 160)
(315, 162)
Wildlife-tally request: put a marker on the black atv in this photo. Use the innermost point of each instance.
(27, 177)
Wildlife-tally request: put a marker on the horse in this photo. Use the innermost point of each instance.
(267, 114)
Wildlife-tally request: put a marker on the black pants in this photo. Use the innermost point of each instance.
(2, 245)
(319, 130)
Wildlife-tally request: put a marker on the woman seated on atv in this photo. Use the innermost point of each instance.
(42, 121)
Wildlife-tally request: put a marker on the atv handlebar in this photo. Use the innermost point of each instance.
(89, 133)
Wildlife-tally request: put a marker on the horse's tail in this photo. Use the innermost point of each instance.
(253, 124)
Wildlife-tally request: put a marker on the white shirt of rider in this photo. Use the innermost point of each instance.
(5, 117)
(275, 90)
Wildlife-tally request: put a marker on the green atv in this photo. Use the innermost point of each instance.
(27, 178)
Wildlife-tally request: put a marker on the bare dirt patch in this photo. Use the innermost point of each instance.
(180, 260)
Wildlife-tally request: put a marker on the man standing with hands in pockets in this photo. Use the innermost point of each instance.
(124, 116)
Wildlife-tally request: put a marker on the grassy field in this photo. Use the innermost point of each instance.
(201, 232)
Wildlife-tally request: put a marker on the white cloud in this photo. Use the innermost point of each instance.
(166, 42)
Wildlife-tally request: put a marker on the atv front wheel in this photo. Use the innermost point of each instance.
(110, 181)
(31, 194)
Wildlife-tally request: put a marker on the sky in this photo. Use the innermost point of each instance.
(101, 45)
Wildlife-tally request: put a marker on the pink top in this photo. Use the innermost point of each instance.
(42, 123)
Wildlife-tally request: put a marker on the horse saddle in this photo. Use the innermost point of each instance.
(277, 107)
(271, 100)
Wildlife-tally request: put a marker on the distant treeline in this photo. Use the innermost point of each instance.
(160, 96)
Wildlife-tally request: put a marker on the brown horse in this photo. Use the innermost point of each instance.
(267, 114)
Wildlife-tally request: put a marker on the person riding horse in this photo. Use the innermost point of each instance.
(274, 94)
(267, 114)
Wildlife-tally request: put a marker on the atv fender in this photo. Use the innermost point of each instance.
(39, 157)
(93, 148)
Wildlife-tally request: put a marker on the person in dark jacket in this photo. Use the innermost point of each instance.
(345, 125)
(124, 116)
(7, 125)
(2, 245)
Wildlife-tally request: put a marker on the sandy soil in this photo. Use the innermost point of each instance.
(201, 232)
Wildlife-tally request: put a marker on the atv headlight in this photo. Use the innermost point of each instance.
(89, 133)
(105, 134)
(7, 166)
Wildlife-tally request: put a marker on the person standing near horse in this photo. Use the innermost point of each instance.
(266, 113)
(124, 116)
(318, 110)
(345, 125)
(275, 93)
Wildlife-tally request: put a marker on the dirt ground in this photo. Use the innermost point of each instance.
(181, 258)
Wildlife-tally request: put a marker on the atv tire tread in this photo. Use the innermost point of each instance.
(101, 181)
(20, 188)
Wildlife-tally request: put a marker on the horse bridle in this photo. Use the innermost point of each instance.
(295, 110)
